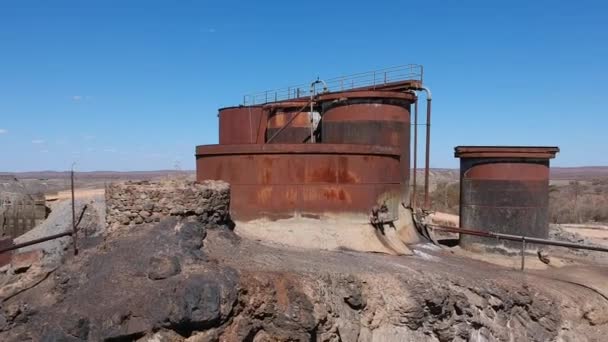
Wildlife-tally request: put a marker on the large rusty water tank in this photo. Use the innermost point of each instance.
(504, 189)
(239, 125)
(285, 180)
(298, 130)
(370, 118)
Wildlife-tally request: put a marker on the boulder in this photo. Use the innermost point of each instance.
(162, 267)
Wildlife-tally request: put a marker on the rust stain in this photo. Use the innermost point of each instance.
(264, 195)
(336, 194)
(280, 180)
(291, 196)
(345, 174)
(322, 175)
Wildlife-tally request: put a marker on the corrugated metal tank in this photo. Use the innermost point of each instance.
(372, 118)
(240, 125)
(504, 189)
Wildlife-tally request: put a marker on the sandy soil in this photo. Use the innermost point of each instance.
(328, 234)
(596, 233)
(78, 194)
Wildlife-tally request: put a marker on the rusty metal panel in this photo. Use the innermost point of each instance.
(240, 125)
(504, 190)
(298, 130)
(541, 152)
(283, 180)
(372, 118)
(5, 257)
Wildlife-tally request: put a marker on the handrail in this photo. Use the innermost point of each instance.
(372, 78)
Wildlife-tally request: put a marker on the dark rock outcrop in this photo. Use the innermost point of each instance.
(229, 289)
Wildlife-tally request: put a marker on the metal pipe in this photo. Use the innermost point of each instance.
(415, 166)
(286, 124)
(523, 251)
(510, 237)
(36, 241)
(312, 94)
(428, 145)
(74, 228)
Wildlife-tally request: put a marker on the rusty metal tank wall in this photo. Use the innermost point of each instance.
(373, 118)
(366, 117)
(240, 125)
(284, 180)
(298, 130)
(504, 190)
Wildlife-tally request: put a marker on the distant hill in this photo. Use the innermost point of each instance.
(579, 173)
(108, 175)
(437, 174)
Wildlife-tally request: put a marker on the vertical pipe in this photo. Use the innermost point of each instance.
(523, 248)
(74, 231)
(428, 153)
(312, 96)
(312, 123)
(415, 166)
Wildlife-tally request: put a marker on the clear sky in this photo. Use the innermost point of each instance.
(135, 85)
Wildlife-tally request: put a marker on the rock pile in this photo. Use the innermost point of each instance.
(132, 203)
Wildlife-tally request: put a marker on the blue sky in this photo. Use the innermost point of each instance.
(135, 85)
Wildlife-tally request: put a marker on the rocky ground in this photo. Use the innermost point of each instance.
(182, 279)
(189, 277)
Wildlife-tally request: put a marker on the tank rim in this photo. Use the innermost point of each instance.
(531, 152)
(219, 149)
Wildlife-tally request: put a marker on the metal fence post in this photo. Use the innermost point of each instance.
(74, 229)
(523, 249)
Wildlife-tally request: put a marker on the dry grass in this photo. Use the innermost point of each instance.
(569, 202)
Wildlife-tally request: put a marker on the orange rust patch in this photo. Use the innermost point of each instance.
(264, 194)
(322, 175)
(291, 195)
(336, 194)
(347, 176)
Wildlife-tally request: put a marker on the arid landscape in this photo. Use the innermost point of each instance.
(190, 277)
(280, 171)
(577, 194)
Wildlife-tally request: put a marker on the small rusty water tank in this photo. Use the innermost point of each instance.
(504, 189)
(239, 125)
(298, 130)
(370, 118)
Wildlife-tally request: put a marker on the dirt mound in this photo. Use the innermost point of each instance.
(326, 234)
(187, 280)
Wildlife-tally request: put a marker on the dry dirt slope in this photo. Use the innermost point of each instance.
(164, 280)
